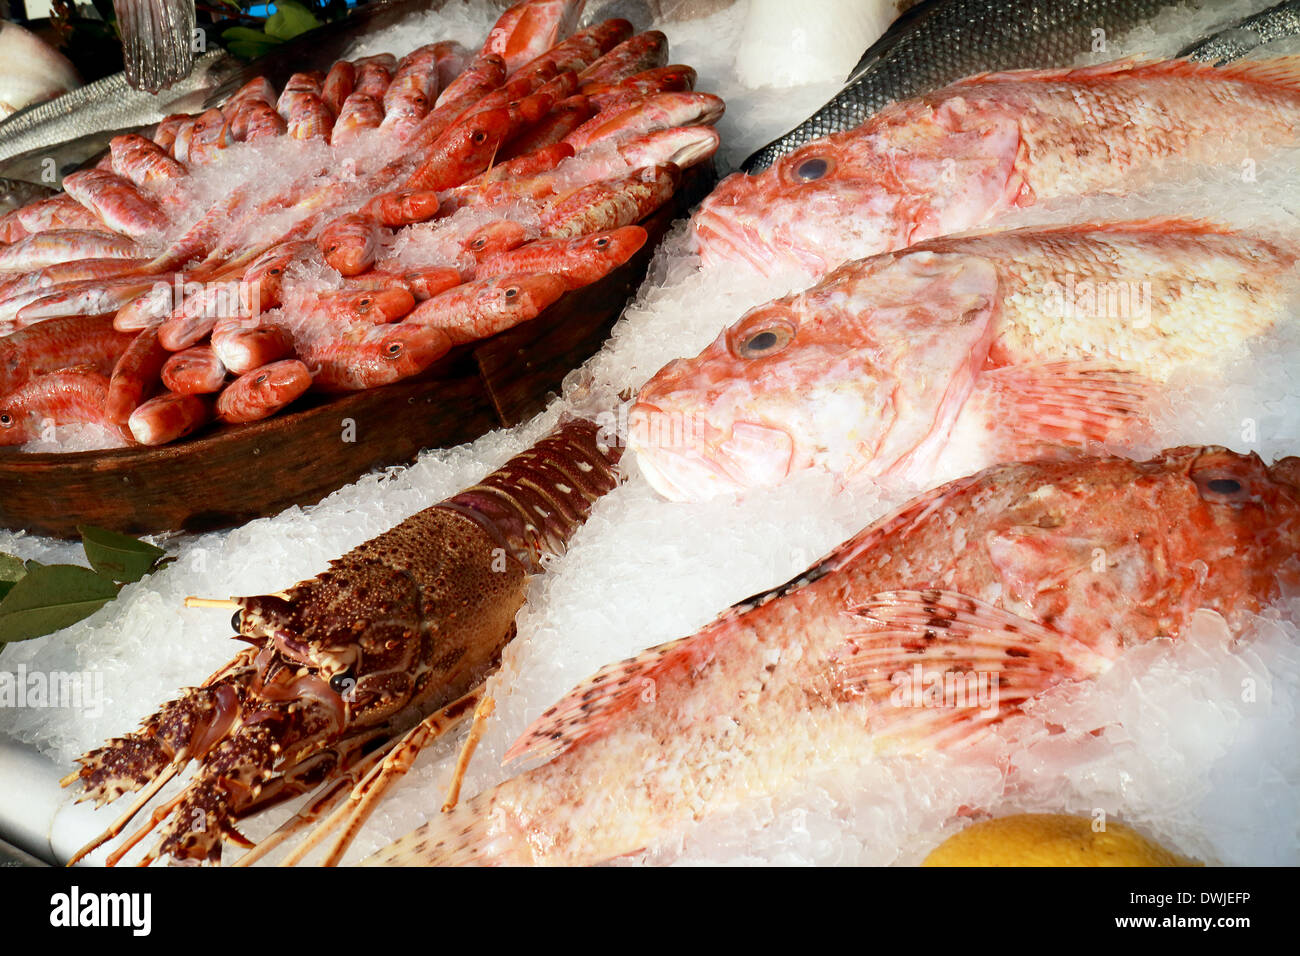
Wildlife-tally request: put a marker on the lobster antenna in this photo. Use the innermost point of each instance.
(193, 601)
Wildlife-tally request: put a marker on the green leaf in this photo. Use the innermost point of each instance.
(248, 43)
(118, 556)
(51, 597)
(289, 20)
(11, 570)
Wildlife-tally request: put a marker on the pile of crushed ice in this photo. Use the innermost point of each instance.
(1197, 742)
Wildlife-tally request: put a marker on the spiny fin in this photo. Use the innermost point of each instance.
(459, 837)
(958, 642)
(1070, 404)
(1282, 71)
(1158, 225)
(589, 708)
(894, 527)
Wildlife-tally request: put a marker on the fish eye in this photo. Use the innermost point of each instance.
(812, 169)
(764, 341)
(1218, 488)
(602, 242)
(6, 421)
(395, 349)
(260, 379)
(364, 303)
(479, 243)
(480, 136)
(274, 272)
(511, 292)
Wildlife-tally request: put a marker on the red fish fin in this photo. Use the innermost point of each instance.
(894, 527)
(1031, 408)
(943, 665)
(460, 837)
(590, 707)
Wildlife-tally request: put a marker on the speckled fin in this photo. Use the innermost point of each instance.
(942, 665)
(591, 706)
(1071, 404)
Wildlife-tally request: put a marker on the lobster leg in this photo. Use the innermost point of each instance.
(481, 713)
(367, 794)
(327, 797)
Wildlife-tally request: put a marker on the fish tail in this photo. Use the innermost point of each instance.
(462, 836)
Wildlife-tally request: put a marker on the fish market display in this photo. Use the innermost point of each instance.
(32, 71)
(343, 665)
(1144, 596)
(811, 676)
(957, 158)
(332, 225)
(995, 346)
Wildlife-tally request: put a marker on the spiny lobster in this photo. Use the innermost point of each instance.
(344, 666)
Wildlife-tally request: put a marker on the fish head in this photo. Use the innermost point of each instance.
(795, 212)
(1246, 514)
(863, 373)
(520, 295)
(611, 245)
(17, 426)
(374, 306)
(349, 244)
(916, 171)
(1219, 530)
(406, 350)
(500, 236)
(264, 277)
(683, 146)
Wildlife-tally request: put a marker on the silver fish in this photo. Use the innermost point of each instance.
(107, 106)
(939, 41)
(1267, 26)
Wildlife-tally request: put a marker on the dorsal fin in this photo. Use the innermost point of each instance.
(1282, 72)
(588, 709)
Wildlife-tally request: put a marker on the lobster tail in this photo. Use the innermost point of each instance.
(536, 501)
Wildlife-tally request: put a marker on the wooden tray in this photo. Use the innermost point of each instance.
(230, 474)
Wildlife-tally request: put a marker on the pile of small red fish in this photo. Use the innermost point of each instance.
(443, 197)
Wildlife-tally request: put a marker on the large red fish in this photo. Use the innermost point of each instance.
(956, 158)
(988, 347)
(1064, 567)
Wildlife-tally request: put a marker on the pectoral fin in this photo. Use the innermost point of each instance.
(942, 665)
(1030, 409)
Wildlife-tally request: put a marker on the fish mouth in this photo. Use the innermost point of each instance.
(704, 145)
(721, 239)
(682, 464)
